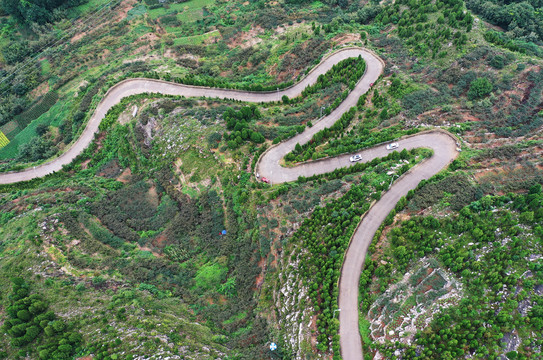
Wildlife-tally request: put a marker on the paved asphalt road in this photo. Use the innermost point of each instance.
(443, 145)
(444, 152)
(138, 86)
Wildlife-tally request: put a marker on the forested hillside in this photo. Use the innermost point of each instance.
(37, 11)
(159, 240)
(520, 19)
(492, 247)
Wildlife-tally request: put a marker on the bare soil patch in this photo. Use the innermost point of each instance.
(78, 36)
(145, 248)
(142, 58)
(152, 196)
(125, 176)
(259, 280)
(120, 14)
(85, 164)
(346, 38)
(124, 8)
(41, 90)
(160, 241)
(246, 39)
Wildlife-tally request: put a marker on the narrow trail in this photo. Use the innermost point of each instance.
(442, 143)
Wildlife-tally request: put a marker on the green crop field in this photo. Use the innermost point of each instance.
(91, 5)
(3, 140)
(136, 11)
(23, 128)
(10, 150)
(45, 67)
(189, 11)
(42, 106)
(11, 129)
(196, 39)
(53, 116)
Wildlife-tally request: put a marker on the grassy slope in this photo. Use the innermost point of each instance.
(71, 294)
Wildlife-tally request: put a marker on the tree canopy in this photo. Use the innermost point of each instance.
(38, 11)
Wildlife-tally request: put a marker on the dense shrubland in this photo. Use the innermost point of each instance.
(304, 55)
(37, 11)
(500, 39)
(326, 234)
(520, 19)
(457, 189)
(423, 35)
(238, 121)
(193, 259)
(487, 245)
(34, 330)
(372, 128)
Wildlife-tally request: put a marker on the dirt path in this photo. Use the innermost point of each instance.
(443, 145)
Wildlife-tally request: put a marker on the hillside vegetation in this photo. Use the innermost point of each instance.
(159, 242)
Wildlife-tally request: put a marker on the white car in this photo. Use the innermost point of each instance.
(392, 146)
(356, 158)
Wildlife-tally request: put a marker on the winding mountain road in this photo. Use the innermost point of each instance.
(442, 143)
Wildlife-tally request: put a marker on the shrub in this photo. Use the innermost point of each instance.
(213, 139)
(479, 88)
(41, 129)
(210, 276)
(497, 62)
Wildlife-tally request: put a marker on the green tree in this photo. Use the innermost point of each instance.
(41, 129)
(23, 315)
(285, 99)
(39, 11)
(479, 88)
(59, 325)
(527, 217)
(49, 331)
(257, 137)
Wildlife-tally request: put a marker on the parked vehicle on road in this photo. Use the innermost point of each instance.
(356, 158)
(392, 146)
(266, 180)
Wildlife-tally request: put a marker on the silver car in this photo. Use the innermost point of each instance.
(392, 146)
(356, 158)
